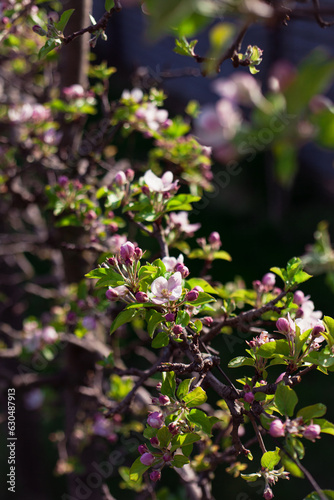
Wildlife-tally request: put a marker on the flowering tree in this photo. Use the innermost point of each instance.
(127, 326)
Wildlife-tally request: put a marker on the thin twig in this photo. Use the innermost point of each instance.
(319, 19)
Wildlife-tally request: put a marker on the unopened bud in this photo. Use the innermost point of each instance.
(142, 297)
(130, 174)
(282, 325)
(177, 329)
(37, 29)
(155, 475)
(312, 432)
(318, 330)
(138, 253)
(277, 428)
(154, 441)
(145, 190)
(192, 295)
(170, 317)
(164, 400)
(120, 179)
(112, 261)
(181, 268)
(298, 297)
(142, 448)
(269, 280)
(268, 494)
(173, 428)
(207, 321)
(249, 397)
(112, 294)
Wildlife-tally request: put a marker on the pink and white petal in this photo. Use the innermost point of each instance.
(158, 285)
(159, 301)
(167, 178)
(176, 293)
(170, 263)
(174, 281)
(153, 182)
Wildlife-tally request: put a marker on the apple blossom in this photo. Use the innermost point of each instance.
(160, 185)
(312, 432)
(277, 428)
(167, 290)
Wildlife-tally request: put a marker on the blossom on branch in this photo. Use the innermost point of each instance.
(167, 290)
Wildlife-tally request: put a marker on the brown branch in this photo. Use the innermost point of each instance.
(100, 25)
(245, 317)
(317, 15)
(123, 405)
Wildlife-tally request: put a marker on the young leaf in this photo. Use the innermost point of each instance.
(182, 440)
(270, 459)
(164, 436)
(195, 398)
(285, 399)
(137, 470)
(123, 317)
(199, 418)
(179, 461)
(168, 384)
(160, 340)
(326, 427)
(241, 361)
(183, 388)
(291, 466)
(65, 17)
(109, 5)
(313, 411)
(153, 322)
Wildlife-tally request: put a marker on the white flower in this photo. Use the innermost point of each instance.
(136, 94)
(165, 291)
(158, 185)
(181, 220)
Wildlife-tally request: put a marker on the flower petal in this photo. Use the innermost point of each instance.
(158, 285)
(176, 293)
(153, 182)
(174, 281)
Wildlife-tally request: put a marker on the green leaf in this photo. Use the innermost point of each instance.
(49, 45)
(326, 427)
(181, 202)
(182, 440)
(164, 436)
(199, 418)
(285, 399)
(179, 461)
(275, 347)
(182, 318)
(195, 398)
(251, 477)
(202, 283)
(65, 17)
(222, 255)
(241, 361)
(313, 411)
(168, 384)
(183, 388)
(154, 320)
(315, 496)
(291, 466)
(137, 470)
(160, 340)
(109, 5)
(278, 271)
(123, 317)
(270, 459)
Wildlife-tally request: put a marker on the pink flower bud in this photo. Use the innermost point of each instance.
(155, 420)
(158, 386)
(113, 227)
(138, 253)
(282, 325)
(173, 428)
(312, 432)
(207, 321)
(164, 400)
(192, 295)
(155, 475)
(269, 280)
(249, 397)
(130, 174)
(120, 179)
(154, 441)
(258, 287)
(147, 459)
(280, 378)
(63, 181)
(170, 317)
(298, 297)
(268, 494)
(181, 268)
(167, 457)
(142, 448)
(37, 29)
(166, 195)
(214, 238)
(127, 252)
(146, 190)
(112, 294)
(198, 288)
(112, 261)
(317, 330)
(177, 329)
(277, 428)
(141, 297)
